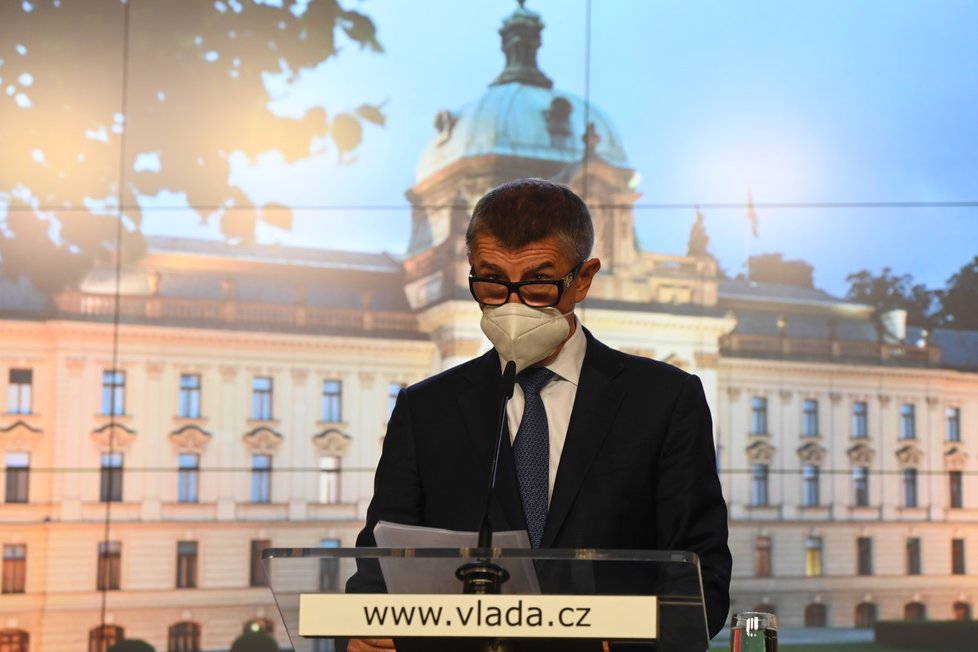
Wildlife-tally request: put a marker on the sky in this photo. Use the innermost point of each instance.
(827, 113)
(796, 103)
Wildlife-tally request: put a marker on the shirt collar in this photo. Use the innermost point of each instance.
(569, 361)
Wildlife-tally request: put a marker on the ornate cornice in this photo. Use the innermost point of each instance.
(263, 440)
(190, 439)
(19, 435)
(332, 442)
(760, 452)
(811, 453)
(954, 457)
(909, 456)
(113, 436)
(861, 455)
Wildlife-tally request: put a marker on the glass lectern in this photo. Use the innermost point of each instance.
(436, 599)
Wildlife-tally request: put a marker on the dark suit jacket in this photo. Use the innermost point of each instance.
(638, 468)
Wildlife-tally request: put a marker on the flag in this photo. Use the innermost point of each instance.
(751, 215)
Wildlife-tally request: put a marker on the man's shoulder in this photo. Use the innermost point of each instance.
(467, 372)
(636, 364)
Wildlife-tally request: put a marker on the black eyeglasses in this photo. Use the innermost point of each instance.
(536, 294)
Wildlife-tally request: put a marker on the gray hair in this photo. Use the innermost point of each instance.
(525, 211)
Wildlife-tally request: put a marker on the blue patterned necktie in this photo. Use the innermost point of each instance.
(532, 451)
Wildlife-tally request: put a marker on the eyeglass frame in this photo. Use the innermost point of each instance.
(514, 286)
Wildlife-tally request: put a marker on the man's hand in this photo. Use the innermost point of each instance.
(370, 645)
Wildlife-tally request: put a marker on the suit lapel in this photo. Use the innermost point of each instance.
(480, 406)
(595, 405)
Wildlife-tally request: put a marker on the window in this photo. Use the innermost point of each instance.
(186, 564)
(188, 473)
(113, 392)
(813, 556)
(860, 486)
(758, 415)
(913, 556)
(261, 398)
(329, 568)
(957, 556)
(864, 556)
(14, 640)
(183, 637)
(809, 418)
(261, 478)
(258, 577)
(758, 486)
(14, 568)
(961, 611)
(816, 615)
(860, 425)
(762, 557)
(809, 474)
(329, 479)
(908, 428)
(19, 391)
(189, 405)
(865, 615)
(110, 478)
(910, 487)
(955, 483)
(393, 389)
(109, 565)
(914, 611)
(100, 639)
(18, 477)
(953, 418)
(332, 406)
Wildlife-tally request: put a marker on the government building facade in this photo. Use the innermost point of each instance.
(165, 423)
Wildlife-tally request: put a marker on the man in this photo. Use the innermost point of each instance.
(628, 458)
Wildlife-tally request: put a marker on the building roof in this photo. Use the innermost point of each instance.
(520, 114)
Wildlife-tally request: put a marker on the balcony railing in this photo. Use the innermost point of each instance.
(793, 348)
(230, 313)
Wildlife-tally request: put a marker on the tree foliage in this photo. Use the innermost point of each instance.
(888, 291)
(132, 645)
(254, 642)
(773, 268)
(111, 101)
(959, 301)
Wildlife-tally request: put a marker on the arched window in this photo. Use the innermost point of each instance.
(101, 638)
(256, 625)
(764, 607)
(914, 611)
(14, 640)
(962, 611)
(816, 615)
(184, 637)
(865, 615)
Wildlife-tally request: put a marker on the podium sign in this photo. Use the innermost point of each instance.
(589, 599)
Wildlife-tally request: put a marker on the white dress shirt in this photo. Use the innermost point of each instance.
(558, 398)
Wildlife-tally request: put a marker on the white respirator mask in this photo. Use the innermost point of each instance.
(523, 334)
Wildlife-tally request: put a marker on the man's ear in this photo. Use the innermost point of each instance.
(584, 277)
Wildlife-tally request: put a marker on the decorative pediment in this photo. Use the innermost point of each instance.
(861, 455)
(113, 436)
(332, 442)
(760, 452)
(811, 453)
(263, 441)
(190, 439)
(910, 456)
(19, 435)
(954, 458)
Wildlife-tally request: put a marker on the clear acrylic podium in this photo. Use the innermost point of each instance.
(575, 600)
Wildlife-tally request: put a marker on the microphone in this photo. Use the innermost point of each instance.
(483, 576)
(506, 391)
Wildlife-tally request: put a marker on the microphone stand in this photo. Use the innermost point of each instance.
(482, 576)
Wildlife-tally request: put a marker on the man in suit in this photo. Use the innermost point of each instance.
(628, 457)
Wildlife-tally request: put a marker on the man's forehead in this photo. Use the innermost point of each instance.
(489, 250)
